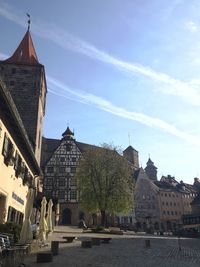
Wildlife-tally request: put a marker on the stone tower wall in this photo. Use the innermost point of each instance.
(28, 89)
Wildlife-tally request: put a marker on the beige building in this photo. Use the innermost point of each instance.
(19, 169)
(160, 205)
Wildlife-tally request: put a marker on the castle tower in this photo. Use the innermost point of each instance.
(151, 170)
(131, 155)
(25, 79)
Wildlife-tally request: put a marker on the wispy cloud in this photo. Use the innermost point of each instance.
(103, 104)
(167, 84)
(192, 26)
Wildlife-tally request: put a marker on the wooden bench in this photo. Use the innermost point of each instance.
(69, 239)
(106, 240)
(86, 244)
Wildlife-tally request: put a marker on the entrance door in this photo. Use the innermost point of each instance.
(66, 216)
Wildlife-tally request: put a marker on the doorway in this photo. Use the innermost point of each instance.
(66, 216)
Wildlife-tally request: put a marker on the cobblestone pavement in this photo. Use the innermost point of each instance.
(123, 251)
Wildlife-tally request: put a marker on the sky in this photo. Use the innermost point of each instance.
(125, 72)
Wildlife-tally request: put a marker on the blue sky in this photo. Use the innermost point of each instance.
(119, 68)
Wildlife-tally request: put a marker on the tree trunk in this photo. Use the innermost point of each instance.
(103, 217)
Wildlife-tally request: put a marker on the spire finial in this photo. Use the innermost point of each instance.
(129, 139)
(29, 20)
(149, 155)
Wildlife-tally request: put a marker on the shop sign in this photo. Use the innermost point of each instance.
(17, 198)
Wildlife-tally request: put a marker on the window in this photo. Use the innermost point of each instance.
(164, 212)
(73, 169)
(172, 213)
(168, 212)
(166, 203)
(18, 164)
(61, 169)
(73, 159)
(73, 181)
(73, 194)
(13, 70)
(68, 147)
(8, 151)
(61, 194)
(49, 182)
(61, 182)
(62, 159)
(50, 169)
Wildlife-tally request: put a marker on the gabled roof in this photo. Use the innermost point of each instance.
(25, 52)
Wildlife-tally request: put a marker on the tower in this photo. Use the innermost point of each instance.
(131, 155)
(25, 79)
(151, 170)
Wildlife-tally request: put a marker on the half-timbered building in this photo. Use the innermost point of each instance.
(59, 162)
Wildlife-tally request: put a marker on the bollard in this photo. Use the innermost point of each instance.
(147, 243)
(54, 247)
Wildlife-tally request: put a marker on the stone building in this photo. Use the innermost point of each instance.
(19, 169)
(151, 170)
(24, 77)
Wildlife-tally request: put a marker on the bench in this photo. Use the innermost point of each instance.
(86, 244)
(106, 240)
(69, 239)
(96, 241)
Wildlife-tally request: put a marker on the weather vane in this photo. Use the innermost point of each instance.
(29, 20)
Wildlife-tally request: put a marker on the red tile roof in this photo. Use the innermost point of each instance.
(25, 53)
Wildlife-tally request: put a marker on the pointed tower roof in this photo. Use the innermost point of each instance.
(150, 162)
(68, 133)
(130, 148)
(25, 52)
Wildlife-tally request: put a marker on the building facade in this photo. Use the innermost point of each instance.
(160, 205)
(19, 169)
(24, 77)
